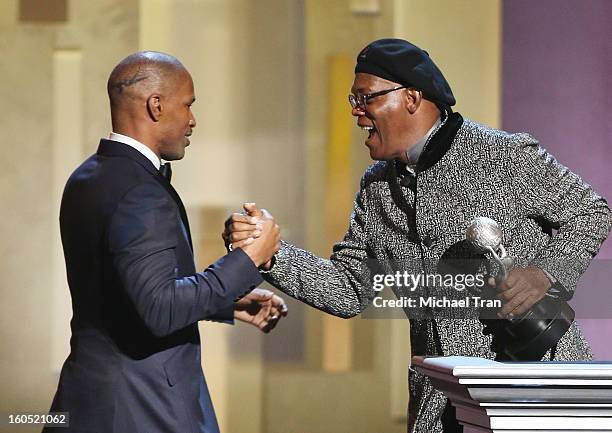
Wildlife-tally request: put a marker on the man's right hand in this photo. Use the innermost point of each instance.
(256, 233)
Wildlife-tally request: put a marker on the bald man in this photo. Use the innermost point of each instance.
(135, 363)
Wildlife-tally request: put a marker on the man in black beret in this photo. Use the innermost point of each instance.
(434, 173)
(399, 96)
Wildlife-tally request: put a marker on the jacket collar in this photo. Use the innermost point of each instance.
(437, 146)
(116, 148)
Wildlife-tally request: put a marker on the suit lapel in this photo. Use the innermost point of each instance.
(180, 205)
(114, 148)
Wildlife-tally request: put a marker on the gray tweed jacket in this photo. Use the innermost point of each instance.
(466, 170)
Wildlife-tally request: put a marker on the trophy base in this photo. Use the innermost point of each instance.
(530, 336)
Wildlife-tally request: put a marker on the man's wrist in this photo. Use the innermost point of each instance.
(269, 265)
(556, 289)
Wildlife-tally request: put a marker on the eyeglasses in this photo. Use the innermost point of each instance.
(361, 101)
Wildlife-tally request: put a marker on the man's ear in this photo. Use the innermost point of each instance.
(413, 99)
(154, 107)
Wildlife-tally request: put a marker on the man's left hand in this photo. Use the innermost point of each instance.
(261, 308)
(521, 290)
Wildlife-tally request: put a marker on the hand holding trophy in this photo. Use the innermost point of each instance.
(529, 336)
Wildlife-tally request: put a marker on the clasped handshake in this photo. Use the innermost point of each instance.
(256, 232)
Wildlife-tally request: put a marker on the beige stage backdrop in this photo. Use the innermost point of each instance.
(273, 127)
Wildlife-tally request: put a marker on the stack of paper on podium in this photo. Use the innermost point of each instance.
(512, 397)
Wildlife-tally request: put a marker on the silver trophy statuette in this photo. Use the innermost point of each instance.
(485, 235)
(529, 336)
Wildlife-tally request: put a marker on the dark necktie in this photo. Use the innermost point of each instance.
(166, 171)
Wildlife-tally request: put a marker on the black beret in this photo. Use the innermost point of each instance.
(406, 64)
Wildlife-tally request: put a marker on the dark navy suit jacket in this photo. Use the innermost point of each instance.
(134, 364)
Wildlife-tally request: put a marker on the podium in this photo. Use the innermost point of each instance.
(513, 397)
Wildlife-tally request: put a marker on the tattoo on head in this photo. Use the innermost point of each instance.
(119, 85)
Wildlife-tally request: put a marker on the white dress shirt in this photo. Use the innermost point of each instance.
(145, 150)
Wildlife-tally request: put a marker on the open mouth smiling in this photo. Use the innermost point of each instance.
(371, 129)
